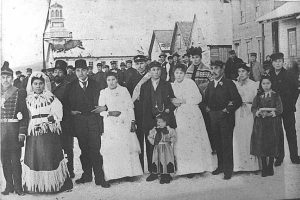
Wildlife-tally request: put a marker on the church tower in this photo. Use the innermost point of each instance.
(57, 33)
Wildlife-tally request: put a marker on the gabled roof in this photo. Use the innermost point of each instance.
(164, 39)
(286, 10)
(185, 29)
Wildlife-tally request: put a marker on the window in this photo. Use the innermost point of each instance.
(179, 41)
(237, 48)
(60, 13)
(259, 58)
(248, 50)
(56, 13)
(243, 11)
(52, 13)
(292, 42)
(257, 9)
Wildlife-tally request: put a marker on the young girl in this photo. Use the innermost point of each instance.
(162, 137)
(266, 108)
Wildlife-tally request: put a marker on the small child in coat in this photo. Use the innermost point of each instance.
(162, 137)
(267, 127)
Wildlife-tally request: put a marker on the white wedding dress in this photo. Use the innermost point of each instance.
(192, 148)
(119, 147)
(242, 159)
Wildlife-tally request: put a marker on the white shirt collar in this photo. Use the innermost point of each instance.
(217, 81)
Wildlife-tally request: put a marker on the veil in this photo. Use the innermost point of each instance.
(38, 74)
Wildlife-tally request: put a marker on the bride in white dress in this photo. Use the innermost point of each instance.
(247, 89)
(192, 149)
(119, 144)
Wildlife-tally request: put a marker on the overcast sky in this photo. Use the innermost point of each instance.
(23, 21)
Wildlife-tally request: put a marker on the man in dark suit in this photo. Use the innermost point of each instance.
(80, 100)
(129, 73)
(14, 122)
(17, 81)
(58, 87)
(100, 76)
(222, 100)
(163, 63)
(156, 96)
(136, 79)
(25, 81)
(288, 90)
(231, 68)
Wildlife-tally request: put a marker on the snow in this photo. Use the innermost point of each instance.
(284, 184)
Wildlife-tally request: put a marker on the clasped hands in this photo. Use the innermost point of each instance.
(177, 102)
(262, 112)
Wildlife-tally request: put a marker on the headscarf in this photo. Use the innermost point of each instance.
(38, 75)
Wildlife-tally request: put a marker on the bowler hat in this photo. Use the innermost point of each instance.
(253, 54)
(276, 56)
(28, 70)
(81, 63)
(62, 65)
(18, 72)
(122, 64)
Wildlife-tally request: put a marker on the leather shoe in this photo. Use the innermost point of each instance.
(103, 183)
(168, 178)
(7, 191)
(296, 160)
(190, 175)
(20, 192)
(277, 163)
(217, 171)
(227, 176)
(152, 177)
(83, 180)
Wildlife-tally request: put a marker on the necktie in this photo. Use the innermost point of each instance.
(84, 85)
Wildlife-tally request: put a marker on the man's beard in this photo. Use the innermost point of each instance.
(58, 79)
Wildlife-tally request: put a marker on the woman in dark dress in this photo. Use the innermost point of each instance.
(45, 169)
(267, 108)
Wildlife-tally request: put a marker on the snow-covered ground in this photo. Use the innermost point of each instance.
(285, 184)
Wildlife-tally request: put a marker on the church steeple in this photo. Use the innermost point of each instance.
(57, 32)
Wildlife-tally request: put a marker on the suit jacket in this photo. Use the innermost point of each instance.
(76, 99)
(100, 77)
(17, 83)
(145, 99)
(231, 68)
(133, 80)
(287, 88)
(225, 95)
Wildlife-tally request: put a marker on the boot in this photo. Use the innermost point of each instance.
(270, 171)
(264, 166)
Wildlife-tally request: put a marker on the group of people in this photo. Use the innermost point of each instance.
(181, 113)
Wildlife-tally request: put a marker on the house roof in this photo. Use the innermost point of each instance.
(103, 48)
(286, 10)
(185, 29)
(164, 38)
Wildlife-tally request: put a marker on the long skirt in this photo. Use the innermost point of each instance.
(265, 136)
(45, 169)
(242, 159)
(163, 159)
